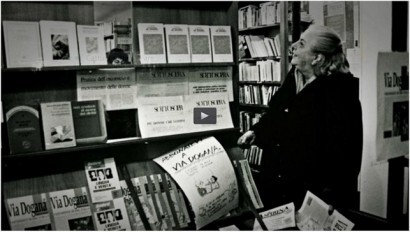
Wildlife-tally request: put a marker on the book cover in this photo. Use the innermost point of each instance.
(22, 44)
(23, 129)
(167, 216)
(70, 209)
(178, 201)
(59, 43)
(58, 125)
(28, 212)
(178, 43)
(91, 45)
(133, 215)
(111, 215)
(200, 44)
(152, 193)
(221, 43)
(102, 178)
(89, 122)
(152, 43)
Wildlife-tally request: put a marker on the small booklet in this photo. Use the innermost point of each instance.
(59, 43)
(200, 44)
(178, 43)
(111, 215)
(91, 45)
(22, 44)
(221, 43)
(152, 43)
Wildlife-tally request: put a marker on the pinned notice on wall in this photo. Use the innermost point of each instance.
(392, 105)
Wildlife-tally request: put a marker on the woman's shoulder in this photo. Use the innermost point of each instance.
(341, 83)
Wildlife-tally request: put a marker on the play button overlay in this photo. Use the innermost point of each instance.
(204, 115)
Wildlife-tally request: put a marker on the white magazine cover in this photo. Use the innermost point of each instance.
(91, 45)
(221, 44)
(200, 44)
(178, 43)
(152, 43)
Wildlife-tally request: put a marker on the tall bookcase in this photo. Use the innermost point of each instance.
(254, 94)
(52, 170)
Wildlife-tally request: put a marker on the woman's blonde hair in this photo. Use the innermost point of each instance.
(328, 43)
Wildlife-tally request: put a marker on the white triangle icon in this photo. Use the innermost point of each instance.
(203, 115)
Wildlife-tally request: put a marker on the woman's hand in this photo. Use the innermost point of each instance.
(246, 139)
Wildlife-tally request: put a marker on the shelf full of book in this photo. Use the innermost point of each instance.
(59, 85)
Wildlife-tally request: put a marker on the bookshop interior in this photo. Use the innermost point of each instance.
(112, 114)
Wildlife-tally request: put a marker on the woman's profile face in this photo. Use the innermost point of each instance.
(302, 52)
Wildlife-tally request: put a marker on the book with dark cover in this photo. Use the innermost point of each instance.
(89, 122)
(23, 128)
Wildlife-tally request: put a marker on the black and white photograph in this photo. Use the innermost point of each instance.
(205, 115)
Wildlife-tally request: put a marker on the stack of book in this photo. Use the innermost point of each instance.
(261, 71)
(266, 13)
(260, 46)
(256, 94)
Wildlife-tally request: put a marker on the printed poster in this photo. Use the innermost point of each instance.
(204, 172)
(161, 82)
(215, 80)
(102, 178)
(160, 116)
(116, 88)
(392, 105)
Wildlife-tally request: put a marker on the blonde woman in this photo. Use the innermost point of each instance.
(312, 132)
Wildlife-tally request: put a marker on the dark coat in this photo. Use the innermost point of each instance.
(312, 141)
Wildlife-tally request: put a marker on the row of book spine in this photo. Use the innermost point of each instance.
(259, 46)
(248, 119)
(256, 94)
(263, 70)
(266, 13)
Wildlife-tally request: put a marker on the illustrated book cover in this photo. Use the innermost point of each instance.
(152, 43)
(23, 129)
(221, 43)
(91, 45)
(70, 209)
(59, 43)
(58, 125)
(102, 178)
(178, 43)
(200, 44)
(89, 122)
(28, 212)
(22, 44)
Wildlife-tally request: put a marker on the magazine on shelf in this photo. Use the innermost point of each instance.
(178, 43)
(58, 125)
(221, 43)
(22, 44)
(111, 215)
(59, 43)
(29, 212)
(102, 178)
(277, 218)
(200, 44)
(147, 202)
(152, 43)
(70, 209)
(133, 214)
(91, 45)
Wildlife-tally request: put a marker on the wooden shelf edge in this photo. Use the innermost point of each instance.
(259, 58)
(135, 141)
(259, 27)
(126, 66)
(259, 83)
(254, 105)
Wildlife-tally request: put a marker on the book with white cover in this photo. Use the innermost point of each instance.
(221, 43)
(178, 43)
(70, 209)
(152, 43)
(22, 44)
(59, 43)
(200, 44)
(111, 215)
(91, 45)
